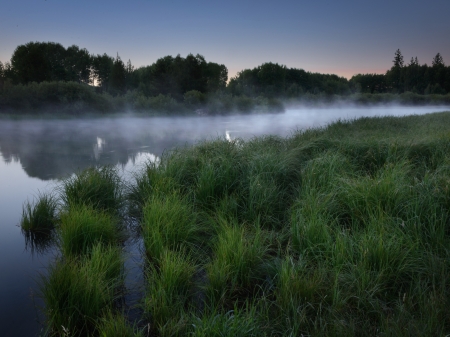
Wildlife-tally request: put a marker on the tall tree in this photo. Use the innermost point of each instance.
(413, 61)
(438, 61)
(78, 65)
(118, 76)
(398, 59)
(216, 77)
(38, 62)
(102, 65)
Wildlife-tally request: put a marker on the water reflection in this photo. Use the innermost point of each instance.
(98, 147)
(38, 242)
(51, 149)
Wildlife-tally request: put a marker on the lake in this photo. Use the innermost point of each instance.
(36, 154)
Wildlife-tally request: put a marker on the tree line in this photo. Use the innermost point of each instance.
(49, 61)
(412, 77)
(37, 70)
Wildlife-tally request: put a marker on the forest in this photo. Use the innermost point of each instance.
(43, 75)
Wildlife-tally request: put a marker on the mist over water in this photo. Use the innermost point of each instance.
(35, 154)
(51, 149)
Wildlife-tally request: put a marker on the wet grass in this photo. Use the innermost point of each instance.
(40, 216)
(78, 292)
(98, 187)
(82, 227)
(336, 231)
(85, 284)
(340, 231)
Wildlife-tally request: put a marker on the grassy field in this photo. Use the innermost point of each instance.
(340, 231)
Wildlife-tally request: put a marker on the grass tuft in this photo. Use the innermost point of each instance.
(41, 215)
(78, 292)
(99, 188)
(82, 228)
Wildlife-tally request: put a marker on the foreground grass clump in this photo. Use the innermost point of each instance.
(78, 292)
(169, 285)
(169, 222)
(115, 325)
(340, 231)
(235, 267)
(99, 188)
(40, 216)
(84, 285)
(82, 227)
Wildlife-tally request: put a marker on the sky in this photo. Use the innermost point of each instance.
(338, 37)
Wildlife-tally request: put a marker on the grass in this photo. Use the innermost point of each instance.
(82, 228)
(78, 292)
(115, 325)
(339, 231)
(98, 187)
(169, 286)
(235, 267)
(334, 231)
(39, 216)
(169, 222)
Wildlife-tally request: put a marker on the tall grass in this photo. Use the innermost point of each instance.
(115, 325)
(339, 231)
(78, 292)
(170, 222)
(238, 322)
(82, 228)
(99, 188)
(150, 181)
(237, 263)
(169, 286)
(41, 215)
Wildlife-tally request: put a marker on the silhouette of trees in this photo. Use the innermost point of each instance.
(398, 59)
(438, 61)
(192, 80)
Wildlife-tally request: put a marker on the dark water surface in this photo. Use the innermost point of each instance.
(36, 154)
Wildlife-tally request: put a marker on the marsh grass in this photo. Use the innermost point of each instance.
(335, 231)
(235, 269)
(241, 321)
(82, 228)
(40, 216)
(149, 181)
(78, 292)
(339, 231)
(115, 325)
(169, 285)
(99, 187)
(169, 222)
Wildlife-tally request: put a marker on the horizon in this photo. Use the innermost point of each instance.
(345, 38)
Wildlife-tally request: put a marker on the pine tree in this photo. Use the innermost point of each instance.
(438, 60)
(398, 59)
(414, 61)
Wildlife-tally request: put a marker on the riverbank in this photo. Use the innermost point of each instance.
(340, 230)
(71, 99)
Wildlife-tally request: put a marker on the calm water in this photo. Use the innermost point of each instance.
(36, 154)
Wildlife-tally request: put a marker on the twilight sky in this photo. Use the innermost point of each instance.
(342, 37)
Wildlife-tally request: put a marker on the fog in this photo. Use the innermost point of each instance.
(55, 148)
